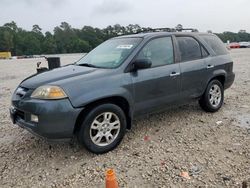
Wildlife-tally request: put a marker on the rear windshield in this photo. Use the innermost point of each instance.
(216, 44)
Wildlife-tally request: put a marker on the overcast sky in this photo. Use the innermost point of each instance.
(215, 15)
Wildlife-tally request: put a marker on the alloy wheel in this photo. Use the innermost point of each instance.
(105, 128)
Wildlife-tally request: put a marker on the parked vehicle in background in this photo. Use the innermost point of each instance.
(244, 44)
(97, 98)
(5, 55)
(234, 45)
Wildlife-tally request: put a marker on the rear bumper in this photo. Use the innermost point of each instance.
(56, 119)
(229, 80)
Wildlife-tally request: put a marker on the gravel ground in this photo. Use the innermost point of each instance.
(213, 148)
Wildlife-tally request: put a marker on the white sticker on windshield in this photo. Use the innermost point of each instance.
(125, 46)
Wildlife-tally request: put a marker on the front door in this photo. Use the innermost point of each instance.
(158, 86)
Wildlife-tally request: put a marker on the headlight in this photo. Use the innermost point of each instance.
(48, 92)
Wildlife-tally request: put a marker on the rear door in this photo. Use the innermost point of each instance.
(192, 66)
(221, 60)
(159, 85)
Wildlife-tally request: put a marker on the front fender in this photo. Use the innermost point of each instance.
(99, 94)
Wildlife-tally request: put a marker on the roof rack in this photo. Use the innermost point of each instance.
(187, 29)
(163, 29)
(168, 30)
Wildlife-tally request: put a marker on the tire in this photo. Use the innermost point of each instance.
(98, 127)
(212, 102)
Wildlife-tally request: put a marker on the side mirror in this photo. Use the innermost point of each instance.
(141, 64)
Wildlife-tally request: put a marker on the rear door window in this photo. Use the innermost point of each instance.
(189, 48)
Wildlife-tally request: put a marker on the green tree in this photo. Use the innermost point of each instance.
(66, 39)
(12, 26)
(6, 40)
(63, 36)
(49, 44)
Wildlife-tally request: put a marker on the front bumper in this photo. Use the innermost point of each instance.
(56, 118)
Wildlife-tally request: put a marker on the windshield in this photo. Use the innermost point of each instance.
(110, 54)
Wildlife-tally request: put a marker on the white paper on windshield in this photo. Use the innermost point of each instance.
(125, 46)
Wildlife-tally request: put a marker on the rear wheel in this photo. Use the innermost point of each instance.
(103, 128)
(213, 98)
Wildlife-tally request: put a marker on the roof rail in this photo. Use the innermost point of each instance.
(187, 29)
(164, 29)
(167, 29)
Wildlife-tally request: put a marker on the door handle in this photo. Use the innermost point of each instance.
(174, 74)
(210, 66)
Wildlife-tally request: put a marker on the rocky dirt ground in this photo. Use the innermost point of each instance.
(213, 148)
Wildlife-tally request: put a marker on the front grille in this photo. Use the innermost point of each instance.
(20, 114)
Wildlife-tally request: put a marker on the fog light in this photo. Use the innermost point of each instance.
(12, 108)
(34, 118)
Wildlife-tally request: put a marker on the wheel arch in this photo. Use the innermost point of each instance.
(218, 75)
(221, 78)
(204, 100)
(117, 100)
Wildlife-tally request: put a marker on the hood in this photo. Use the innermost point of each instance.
(55, 75)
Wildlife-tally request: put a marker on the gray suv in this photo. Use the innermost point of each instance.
(97, 97)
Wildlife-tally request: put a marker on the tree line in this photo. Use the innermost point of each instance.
(66, 39)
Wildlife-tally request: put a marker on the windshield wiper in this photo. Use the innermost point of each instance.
(87, 65)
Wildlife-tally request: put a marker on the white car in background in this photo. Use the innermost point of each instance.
(244, 44)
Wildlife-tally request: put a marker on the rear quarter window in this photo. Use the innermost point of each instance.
(216, 44)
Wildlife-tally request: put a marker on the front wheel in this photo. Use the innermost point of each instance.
(103, 128)
(212, 99)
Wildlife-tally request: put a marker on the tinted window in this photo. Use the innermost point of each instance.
(215, 43)
(204, 52)
(189, 48)
(159, 51)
